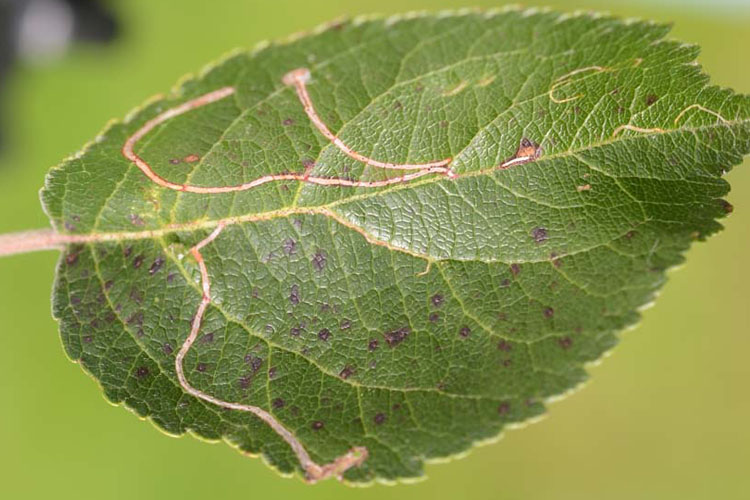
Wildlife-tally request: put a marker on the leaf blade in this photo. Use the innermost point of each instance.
(485, 294)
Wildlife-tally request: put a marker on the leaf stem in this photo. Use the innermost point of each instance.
(33, 241)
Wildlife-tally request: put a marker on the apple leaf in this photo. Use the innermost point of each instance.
(385, 242)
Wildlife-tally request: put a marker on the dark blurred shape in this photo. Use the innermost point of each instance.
(37, 31)
(93, 21)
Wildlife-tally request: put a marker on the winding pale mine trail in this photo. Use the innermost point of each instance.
(298, 79)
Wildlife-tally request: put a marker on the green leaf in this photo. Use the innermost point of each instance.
(414, 319)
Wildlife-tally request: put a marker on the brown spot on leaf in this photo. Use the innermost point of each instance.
(464, 332)
(539, 234)
(434, 317)
(565, 342)
(167, 349)
(136, 220)
(503, 408)
(651, 98)
(437, 300)
(548, 312)
(71, 259)
(156, 266)
(527, 151)
(317, 425)
(191, 158)
(379, 419)
(290, 246)
(372, 345)
(515, 269)
(244, 382)
(345, 324)
(324, 334)
(288, 122)
(141, 372)
(347, 372)
(504, 345)
(175, 161)
(138, 262)
(278, 403)
(319, 260)
(135, 319)
(294, 295)
(201, 367)
(395, 337)
(255, 362)
(726, 206)
(295, 331)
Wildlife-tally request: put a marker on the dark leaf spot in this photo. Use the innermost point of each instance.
(324, 334)
(372, 345)
(167, 349)
(141, 372)
(651, 98)
(244, 382)
(317, 425)
(503, 408)
(87, 338)
(191, 158)
(290, 246)
(345, 324)
(136, 220)
(504, 345)
(71, 258)
(156, 266)
(294, 295)
(319, 260)
(254, 361)
(565, 342)
(207, 338)
(379, 419)
(175, 161)
(515, 269)
(464, 332)
(539, 234)
(278, 403)
(395, 337)
(201, 367)
(548, 312)
(437, 300)
(135, 319)
(287, 122)
(434, 317)
(138, 262)
(295, 331)
(347, 372)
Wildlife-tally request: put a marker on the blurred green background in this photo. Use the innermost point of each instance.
(665, 416)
